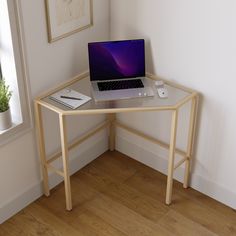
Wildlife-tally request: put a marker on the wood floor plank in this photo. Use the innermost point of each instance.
(135, 200)
(34, 220)
(192, 194)
(144, 183)
(81, 193)
(203, 200)
(205, 216)
(207, 201)
(180, 225)
(94, 178)
(221, 218)
(89, 224)
(118, 165)
(6, 230)
(124, 219)
(147, 182)
(80, 218)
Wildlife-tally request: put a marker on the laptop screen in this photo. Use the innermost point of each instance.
(116, 59)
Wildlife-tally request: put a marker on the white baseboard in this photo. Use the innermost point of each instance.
(140, 150)
(87, 153)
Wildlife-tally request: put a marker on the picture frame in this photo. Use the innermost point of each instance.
(66, 17)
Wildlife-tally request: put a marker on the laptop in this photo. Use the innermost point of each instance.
(117, 70)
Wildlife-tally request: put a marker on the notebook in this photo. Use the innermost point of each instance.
(70, 98)
(117, 70)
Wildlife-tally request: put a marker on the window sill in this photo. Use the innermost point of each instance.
(16, 130)
(14, 125)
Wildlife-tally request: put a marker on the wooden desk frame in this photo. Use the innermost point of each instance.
(112, 123)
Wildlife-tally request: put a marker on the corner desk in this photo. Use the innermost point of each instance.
(178, 97)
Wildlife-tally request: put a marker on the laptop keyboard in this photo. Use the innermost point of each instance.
(121, 84)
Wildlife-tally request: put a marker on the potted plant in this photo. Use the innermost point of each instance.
(5, 114)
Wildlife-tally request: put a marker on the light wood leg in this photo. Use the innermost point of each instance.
(112, 135)
(64, 147)
(171, 157)
(41, 143)
(191, 135)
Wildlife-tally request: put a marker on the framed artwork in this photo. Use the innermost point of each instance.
(66, 17)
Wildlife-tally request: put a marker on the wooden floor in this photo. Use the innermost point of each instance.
(115, 195)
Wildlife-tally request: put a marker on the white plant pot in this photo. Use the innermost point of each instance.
(5, 120)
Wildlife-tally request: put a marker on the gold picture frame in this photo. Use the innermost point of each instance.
(65, 18)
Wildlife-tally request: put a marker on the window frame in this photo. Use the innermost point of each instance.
(0, 71)
(21, 70)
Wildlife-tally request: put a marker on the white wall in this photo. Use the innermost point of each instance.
(48, 65)
(193, 43)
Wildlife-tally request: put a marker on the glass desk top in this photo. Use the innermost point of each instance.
(175, 96)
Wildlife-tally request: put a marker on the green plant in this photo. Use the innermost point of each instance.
(5, 95)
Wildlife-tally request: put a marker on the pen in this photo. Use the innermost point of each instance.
(72, 98)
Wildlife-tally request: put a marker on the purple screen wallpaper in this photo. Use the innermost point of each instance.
(116, 59)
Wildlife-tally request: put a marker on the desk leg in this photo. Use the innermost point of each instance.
(41, 142)
(112, 135)
(171, 157)
(64, 147)
(190, 141)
